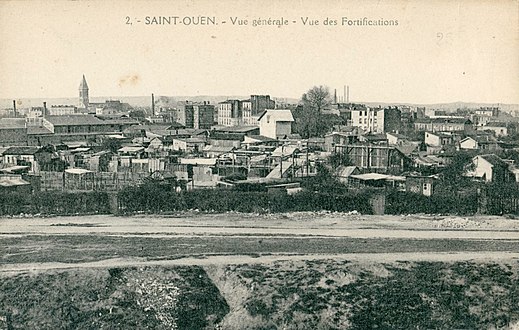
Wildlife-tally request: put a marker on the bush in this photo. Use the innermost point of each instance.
(54, 202)
(398, 202)
(148, 198)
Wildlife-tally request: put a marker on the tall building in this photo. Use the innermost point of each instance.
(377, 120)
(230, 113)
(244, 112)
(260, 103)
(83, 94)
(196, 115)
(371, 120)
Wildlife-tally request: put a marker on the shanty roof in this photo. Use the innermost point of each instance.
(397, 135)
(11, 181)
(429, 160)
(14, 169)
(77, 171)
(377, 176)
(258, 138)
(21, 151)
(221, 149)
(345, 171)
(284, 151)
(131, 149)
(175, 125)
(198, 161)
(278, 115)
(237, 129)
(81, 149)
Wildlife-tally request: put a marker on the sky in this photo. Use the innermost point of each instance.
(439, 51)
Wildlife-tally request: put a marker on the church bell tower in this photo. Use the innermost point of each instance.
(83, 94)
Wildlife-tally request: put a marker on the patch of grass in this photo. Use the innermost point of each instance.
(327, 294)
(118, 298)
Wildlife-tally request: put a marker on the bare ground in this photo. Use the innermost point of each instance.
(195, 238)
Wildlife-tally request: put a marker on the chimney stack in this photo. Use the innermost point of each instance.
(14, 107)
(152, 105)
(335, 96)
(44, 109)
(348, 93)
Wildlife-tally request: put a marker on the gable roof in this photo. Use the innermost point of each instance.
(278, 115)
(407, 148)
(494, 160)
(346, 171)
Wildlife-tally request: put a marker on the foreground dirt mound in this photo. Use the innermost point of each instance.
(131, 298)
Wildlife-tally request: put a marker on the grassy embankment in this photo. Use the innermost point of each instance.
(323, 294)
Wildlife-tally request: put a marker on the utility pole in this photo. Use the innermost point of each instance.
(281, 163)
(307, 163)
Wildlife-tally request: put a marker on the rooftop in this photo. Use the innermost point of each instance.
(12, 123)
(237, 129)
(493, 160)
(21, 151)
(74, 120)
(278, 115)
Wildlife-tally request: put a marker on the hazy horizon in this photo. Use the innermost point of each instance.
(440, 52)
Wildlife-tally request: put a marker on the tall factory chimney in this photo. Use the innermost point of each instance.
(344, 95)
(44, 109)
(152, 105)
(348, 95)
(335, 96)
(14, 107)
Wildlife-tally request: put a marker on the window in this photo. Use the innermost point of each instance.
(425, 186)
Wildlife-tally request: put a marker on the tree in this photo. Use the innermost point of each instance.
(138, 114)
(308, 115)
(318, 97)
(454, 173)
(111, 144)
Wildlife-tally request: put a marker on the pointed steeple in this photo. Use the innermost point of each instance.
(83, 84)
(83, 94)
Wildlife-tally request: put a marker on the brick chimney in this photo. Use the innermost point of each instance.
(152, 105)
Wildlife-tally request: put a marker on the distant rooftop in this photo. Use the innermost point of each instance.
(12, 123)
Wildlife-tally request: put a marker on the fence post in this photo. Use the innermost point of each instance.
(482, 200)
(113, 200)
(378, 203)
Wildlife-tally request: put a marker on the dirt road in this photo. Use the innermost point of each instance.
(103, 241)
